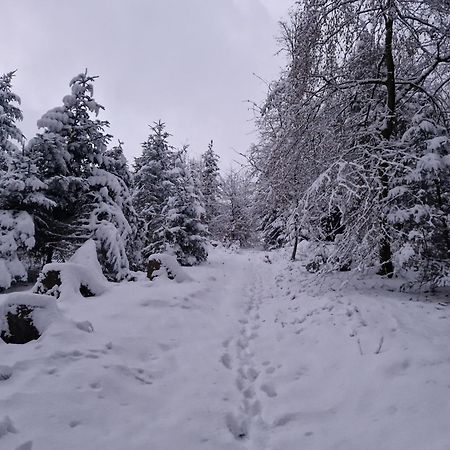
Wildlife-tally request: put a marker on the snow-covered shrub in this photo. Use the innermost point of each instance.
(160, 264)
(24, 317)
(81, 275)
(16, 236)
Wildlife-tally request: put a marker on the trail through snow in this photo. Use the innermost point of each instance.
(246, 356)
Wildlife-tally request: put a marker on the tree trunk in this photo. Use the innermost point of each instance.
(294, 250)
(385, 251)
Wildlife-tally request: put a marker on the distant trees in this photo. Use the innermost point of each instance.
(66, 185)
(336, 131)
(167, 199)
(237, 222)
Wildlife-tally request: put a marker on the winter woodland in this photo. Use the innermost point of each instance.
(333, 236)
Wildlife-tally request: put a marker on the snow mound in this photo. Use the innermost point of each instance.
(81, 275)
(160, 264)
(24, 316)
(86, 256)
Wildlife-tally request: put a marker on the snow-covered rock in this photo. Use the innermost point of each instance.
(24, 316)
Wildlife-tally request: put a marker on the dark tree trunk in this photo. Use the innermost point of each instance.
(385, 251)
(294, 250)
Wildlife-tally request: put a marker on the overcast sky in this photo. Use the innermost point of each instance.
(190, 63)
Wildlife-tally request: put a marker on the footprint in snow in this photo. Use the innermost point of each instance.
(6, 426)
(96, 385)
(252, 374)
(238, 428)
(225, 359)
(269, 389)
(5, 373)
(26, 446)
(74, 423)
(166, 346)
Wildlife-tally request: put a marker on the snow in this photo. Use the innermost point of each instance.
(16, 231)
(169, 266)
(82, 268)
(44, 313)
(246, 355)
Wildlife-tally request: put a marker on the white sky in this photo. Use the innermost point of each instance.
(189, 63)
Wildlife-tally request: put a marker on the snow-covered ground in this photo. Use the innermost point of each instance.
(247, 355)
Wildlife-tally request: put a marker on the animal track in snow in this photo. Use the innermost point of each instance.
(225, 359)
(268, 389)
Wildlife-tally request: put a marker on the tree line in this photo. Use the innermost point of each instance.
(68, 184)
(353, 146)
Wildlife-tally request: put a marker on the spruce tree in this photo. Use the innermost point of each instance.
(419, 198)
(109, 215)
(70, 146)
(84, 181)
(153, 185)
(184, 230)
(22, 193)
(10, 113)
(210, 187)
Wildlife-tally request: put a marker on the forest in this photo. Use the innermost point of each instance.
(325, 252)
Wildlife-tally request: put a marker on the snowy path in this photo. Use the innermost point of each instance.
(245, 357)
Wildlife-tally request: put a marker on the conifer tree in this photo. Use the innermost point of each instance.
(66, 152)
(184, 230)
(114, 162)
(210, 187)
(10, 113)
(110, 216)
(22, 194)
(84, 181)
(419, 200)
(153, 185)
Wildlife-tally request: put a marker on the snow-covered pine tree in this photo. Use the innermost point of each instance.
(195, 167)
(153, 185)
(71, 144)
(22, 195)
(72, 159)
(184, 231)
(110, 216)
(10, 113)
(211, 189)
(419, 200)
(115, 162)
